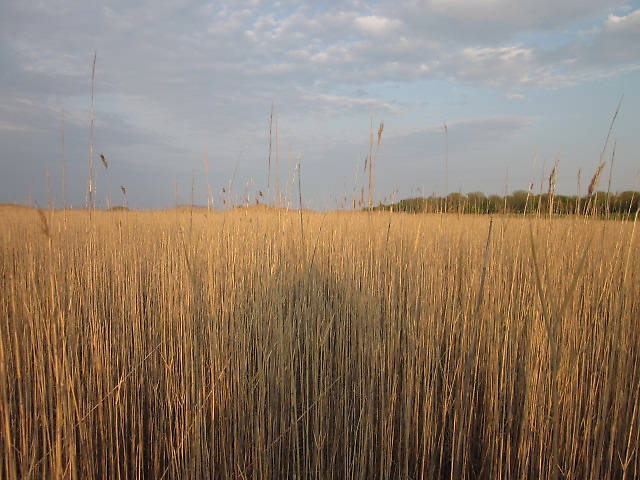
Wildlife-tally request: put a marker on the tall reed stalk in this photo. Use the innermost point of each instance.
(266, 343)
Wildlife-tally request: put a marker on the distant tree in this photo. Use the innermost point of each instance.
(494, 204)
(517, 200)
(456, 201)
(627, 201)
(476, 202)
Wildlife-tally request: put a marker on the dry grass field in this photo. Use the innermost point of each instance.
(259, 344)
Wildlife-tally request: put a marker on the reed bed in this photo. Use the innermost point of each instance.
(229, 345)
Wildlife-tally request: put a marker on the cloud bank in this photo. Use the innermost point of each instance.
(176, 78)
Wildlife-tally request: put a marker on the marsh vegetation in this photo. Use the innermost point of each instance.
(251, 344)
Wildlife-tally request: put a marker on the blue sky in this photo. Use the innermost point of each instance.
(519, 84)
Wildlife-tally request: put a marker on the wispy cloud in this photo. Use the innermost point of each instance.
(190, 74)
(376, 25)
(337, 103)
(8, 126)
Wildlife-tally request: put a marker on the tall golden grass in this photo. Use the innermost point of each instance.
(228, 345)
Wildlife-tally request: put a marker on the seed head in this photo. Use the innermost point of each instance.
(596, 177)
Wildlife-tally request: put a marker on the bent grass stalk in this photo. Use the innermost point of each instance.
(553, 317)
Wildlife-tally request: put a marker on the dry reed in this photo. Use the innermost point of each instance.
(137, 346)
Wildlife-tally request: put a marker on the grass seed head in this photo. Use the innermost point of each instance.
(596, 177)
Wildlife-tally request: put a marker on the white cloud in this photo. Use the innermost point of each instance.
(630, 22)
(492, 55)
(320, 57)
(611, 48)
(8, 126)
(197, 74)
(375, 25)
(345, 104)
(502, 67)
(508, 15)
(313, 46)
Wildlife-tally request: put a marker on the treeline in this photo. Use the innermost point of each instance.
(520, 201)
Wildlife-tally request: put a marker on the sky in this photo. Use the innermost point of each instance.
(519, 84)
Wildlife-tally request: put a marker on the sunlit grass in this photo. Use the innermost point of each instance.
(229, 345)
